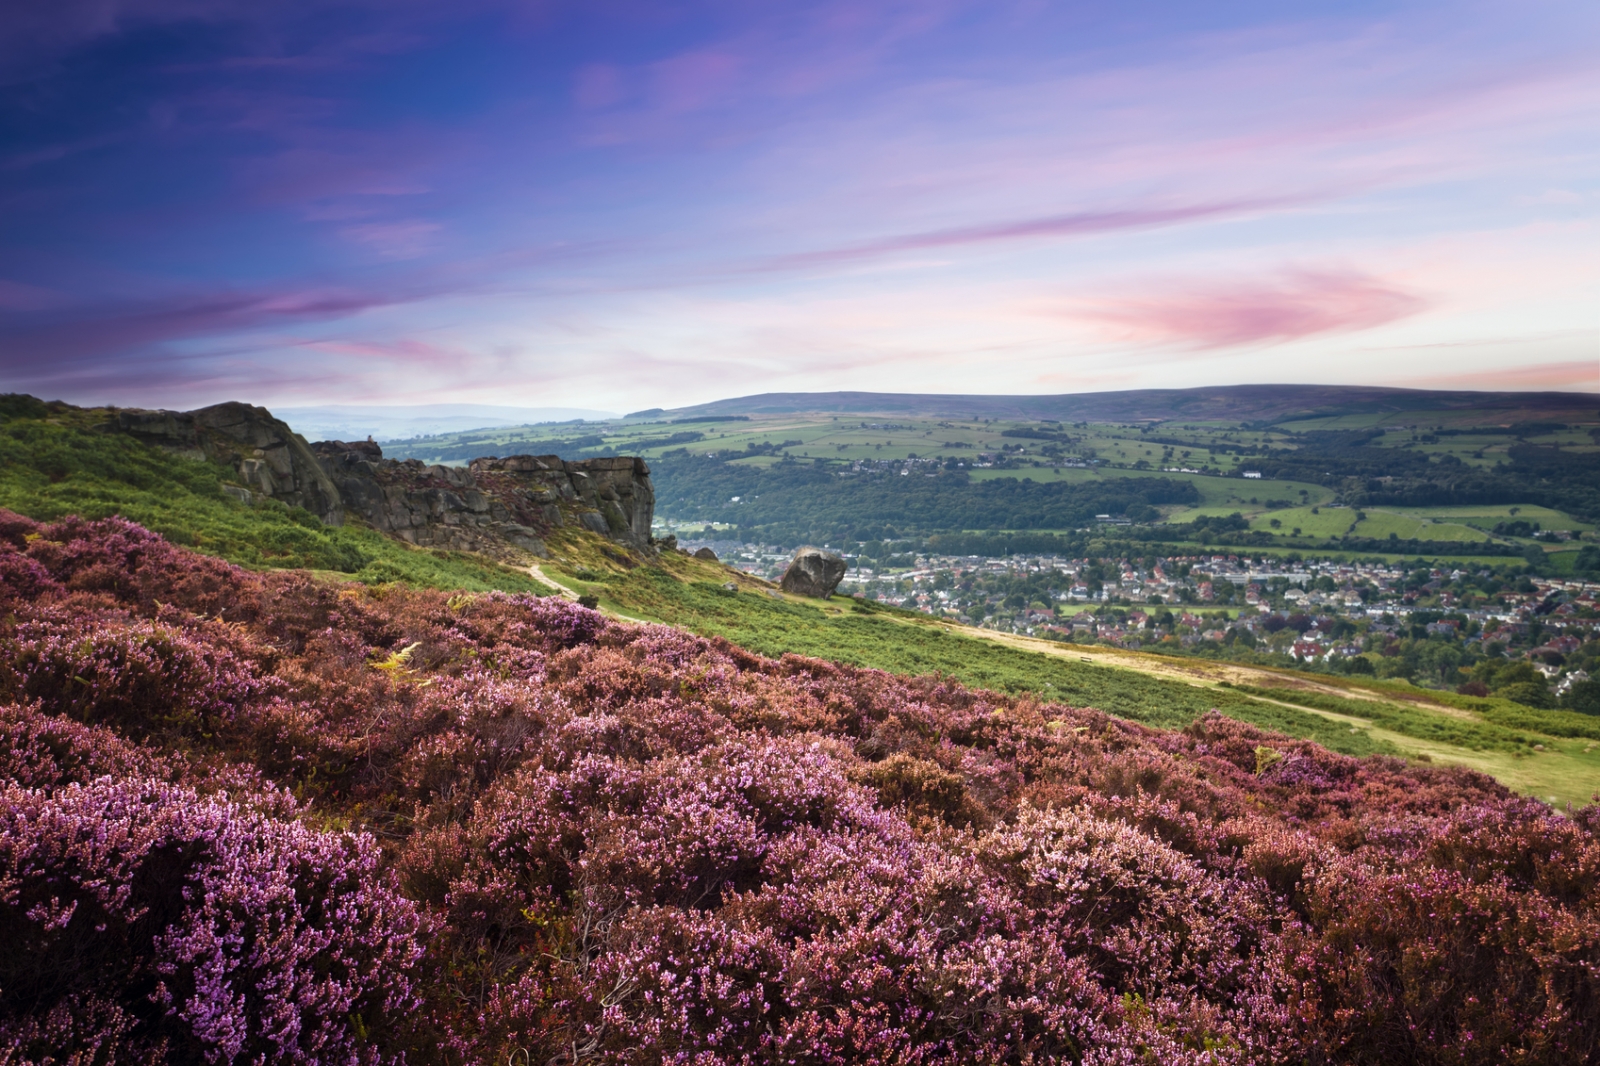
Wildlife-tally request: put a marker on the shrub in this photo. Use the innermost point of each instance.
(143, 920)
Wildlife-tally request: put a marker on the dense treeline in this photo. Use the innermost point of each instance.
(792, 501)
(1377, 476)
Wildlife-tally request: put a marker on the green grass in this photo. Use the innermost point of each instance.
(906, 643)
(1410, 721)
(1336, 521)
(51, 469)
(1487, 516)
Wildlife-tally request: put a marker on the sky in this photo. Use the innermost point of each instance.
(621, 205)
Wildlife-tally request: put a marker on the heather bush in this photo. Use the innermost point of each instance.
(40, 750)
(580, 840)
(142, 677)
(193, 929)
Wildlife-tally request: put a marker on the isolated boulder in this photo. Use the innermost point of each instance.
(813, 572)
(707, 554)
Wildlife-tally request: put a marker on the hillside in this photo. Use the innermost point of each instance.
(438, 827)
(1231, 403)
(59, 462)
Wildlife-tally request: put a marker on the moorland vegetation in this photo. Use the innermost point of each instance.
(266, 816)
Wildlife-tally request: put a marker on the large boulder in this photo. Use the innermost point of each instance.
(813, 572)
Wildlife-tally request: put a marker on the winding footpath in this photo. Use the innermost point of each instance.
(572, 594)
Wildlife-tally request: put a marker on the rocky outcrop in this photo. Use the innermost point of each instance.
(500, 507)
(492, 503)
(270, 458)
(612, 497)
(813, 572)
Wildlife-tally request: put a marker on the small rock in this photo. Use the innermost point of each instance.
(707, 554)
(813, 572)
(731, 587)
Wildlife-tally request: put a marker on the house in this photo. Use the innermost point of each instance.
(1306, 650)
(1565, 684)
(1256, 474)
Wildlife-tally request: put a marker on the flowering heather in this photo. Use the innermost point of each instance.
(261, 818)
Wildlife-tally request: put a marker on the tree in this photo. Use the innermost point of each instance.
(1583, 697)
(1440, 659)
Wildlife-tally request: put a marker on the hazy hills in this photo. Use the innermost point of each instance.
(1232, 403)
(356, 422)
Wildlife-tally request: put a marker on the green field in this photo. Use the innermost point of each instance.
(1218, 495)
(1048, 453)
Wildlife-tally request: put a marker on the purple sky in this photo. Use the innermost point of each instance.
(623, 205)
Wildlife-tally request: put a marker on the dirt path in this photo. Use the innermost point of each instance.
(1207, 673)
(538, 572)
(571, 594)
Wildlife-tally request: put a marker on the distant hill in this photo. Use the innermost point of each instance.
(1233, 403)
(356, 422)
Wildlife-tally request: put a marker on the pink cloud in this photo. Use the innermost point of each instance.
(409, 353)
(1582, 374)
(1296, 304)
(15, 296)
(111, 342)
(692, 80)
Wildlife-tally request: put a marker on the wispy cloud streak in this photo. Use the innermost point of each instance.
(1079, 224)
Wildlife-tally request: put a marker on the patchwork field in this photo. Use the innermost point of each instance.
(1206, 457)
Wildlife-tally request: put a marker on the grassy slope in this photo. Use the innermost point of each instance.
(870, 637)
(1551, 754)
(52, 468)
(61, 466)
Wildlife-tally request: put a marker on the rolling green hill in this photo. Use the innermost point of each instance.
(1389, 472)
